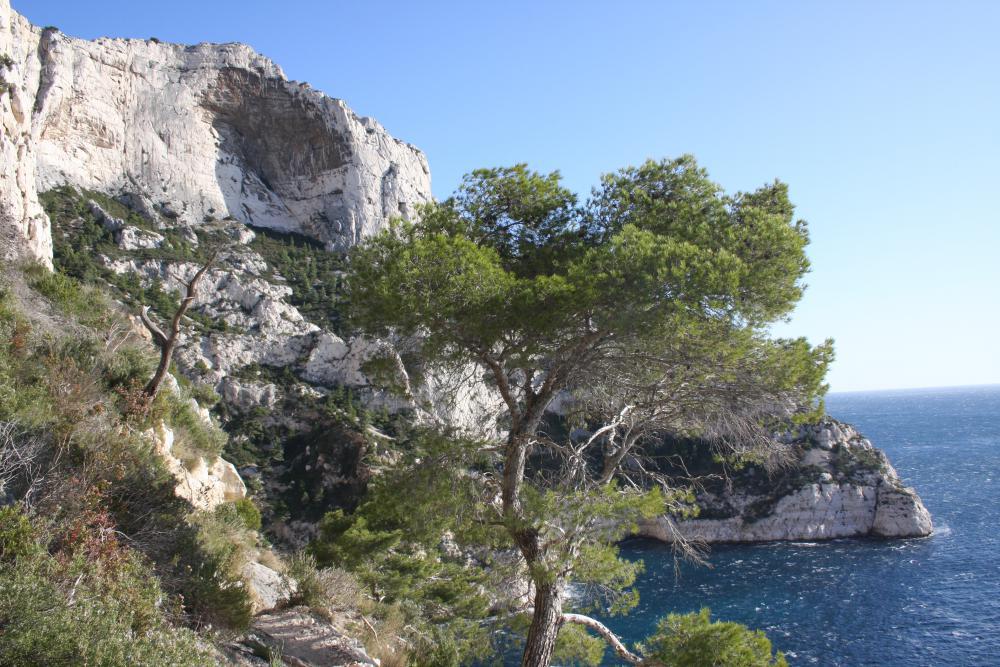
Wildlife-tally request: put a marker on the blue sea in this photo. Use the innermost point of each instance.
(933, 601)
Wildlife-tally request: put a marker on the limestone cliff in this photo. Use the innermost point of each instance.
(24, 227)
(839, 485)
(192, 132)
(167, 147)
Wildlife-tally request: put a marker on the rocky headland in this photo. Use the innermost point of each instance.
(837, 484)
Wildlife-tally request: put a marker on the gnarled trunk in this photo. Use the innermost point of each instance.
(544, 626)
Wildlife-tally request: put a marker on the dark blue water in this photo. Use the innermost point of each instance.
(934, 601)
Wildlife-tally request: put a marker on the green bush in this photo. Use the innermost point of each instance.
(70, 393)
(93, 601)
(194, 436)
(313, 273)
(249, 513)
(17, 536)
(213, 556)
(242, 513)
(694, 640)
(69, 296)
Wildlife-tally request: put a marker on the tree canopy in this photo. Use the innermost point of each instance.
(644, 309)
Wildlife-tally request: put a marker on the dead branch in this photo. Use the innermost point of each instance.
(166, 342)
(610, 637)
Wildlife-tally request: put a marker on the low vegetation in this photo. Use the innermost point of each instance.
(694, 639)
(101, 562)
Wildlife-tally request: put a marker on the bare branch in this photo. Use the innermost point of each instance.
(607, 635)
(168, 343)
(158, 336)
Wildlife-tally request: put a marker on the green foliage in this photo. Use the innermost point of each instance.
(130, 366)
(512, 257)
(194, 437)
(309, 589)
(17, 535)
(80, 239)
(313, 273)
(213, 593)
(248, 513)
(92, 601)
(6, 62)
(392, 544)
(694, 640)
(69, 296)
(574, 646)
(658, 291)
(67, 391)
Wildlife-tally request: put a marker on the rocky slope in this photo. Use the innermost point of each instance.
(188, 146)
(839, 485)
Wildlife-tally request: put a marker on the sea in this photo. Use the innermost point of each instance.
(853, 602)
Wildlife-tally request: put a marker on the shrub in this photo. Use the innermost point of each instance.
(71, 395)
(241, 513)
(694, 640)
(69, 296)
(129, 366)
(324, 589)
(248, 513)
(17, 535)
(194, 436)
(212, 559)
(93, 601)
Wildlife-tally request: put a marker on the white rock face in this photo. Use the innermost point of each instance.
(204, 484)
(24, 228)
(855, 492)
(267, 587)
(900, 513)
(192, 132)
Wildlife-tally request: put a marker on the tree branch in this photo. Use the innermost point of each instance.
(168, 343)
(158, 336)
(611, 638)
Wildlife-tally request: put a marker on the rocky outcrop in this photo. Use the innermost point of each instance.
(263, 328)
(268, 588)
(211, 134)
(24, 228)
(205, 484)
(840, 486)
(190, 133)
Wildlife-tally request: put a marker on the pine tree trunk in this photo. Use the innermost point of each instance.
(544, 626)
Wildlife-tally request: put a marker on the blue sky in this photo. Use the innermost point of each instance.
(884, 118)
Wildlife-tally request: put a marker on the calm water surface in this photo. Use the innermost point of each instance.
(934, 601)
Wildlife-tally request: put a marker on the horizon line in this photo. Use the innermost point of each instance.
(921, 388)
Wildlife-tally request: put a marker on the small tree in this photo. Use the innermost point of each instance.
(646, 309)
(694, 639)
(167, 343)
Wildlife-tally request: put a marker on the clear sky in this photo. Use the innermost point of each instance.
(884, 118)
